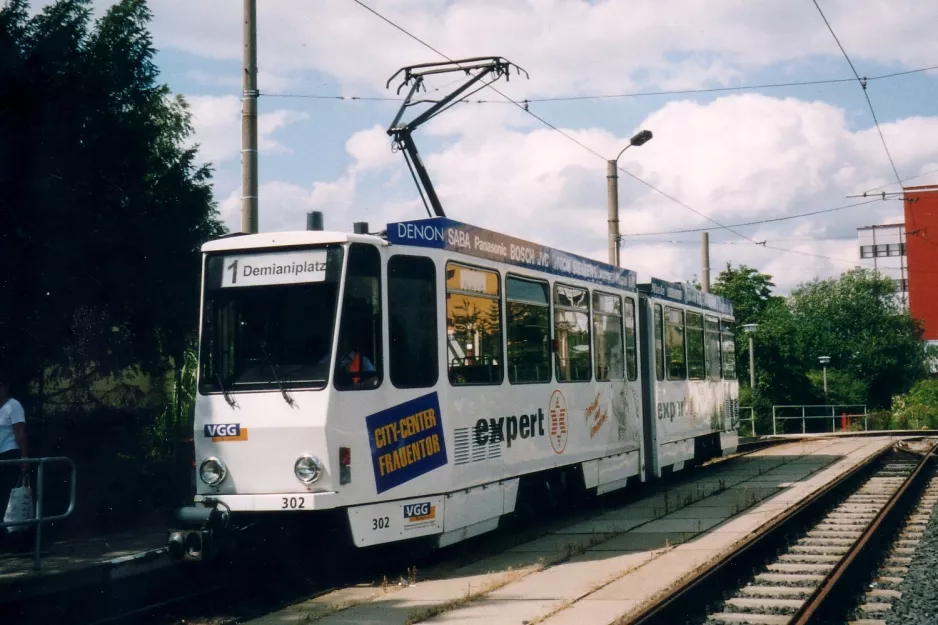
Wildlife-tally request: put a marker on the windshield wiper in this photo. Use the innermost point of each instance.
(273, 368)
(224, 391)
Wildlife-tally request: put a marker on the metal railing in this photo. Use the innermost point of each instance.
(830, 411)
(751, 419)
(38, 519)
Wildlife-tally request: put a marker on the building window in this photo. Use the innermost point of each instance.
(572, 332)
(882, 250)
(358, 363)
(866, 251)
(528, 309)
(902, 285)
(607, 333)
(473, 325)
(412, 331)
(894, 249)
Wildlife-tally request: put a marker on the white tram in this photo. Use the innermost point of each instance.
(412, 383)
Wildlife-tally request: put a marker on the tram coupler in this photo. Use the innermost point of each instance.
(196, 533)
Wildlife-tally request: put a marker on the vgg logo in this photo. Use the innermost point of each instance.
(412, 510)
(213, 430)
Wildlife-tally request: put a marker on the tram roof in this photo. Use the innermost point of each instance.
(686, 294)
(240, 241)
(446, 234)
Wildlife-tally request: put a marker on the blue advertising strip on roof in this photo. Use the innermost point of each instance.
(686, 294)
(446, 234)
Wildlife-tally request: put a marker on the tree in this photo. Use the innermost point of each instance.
(105, 209)
(857, 321)
(749, 290)
(751, 294)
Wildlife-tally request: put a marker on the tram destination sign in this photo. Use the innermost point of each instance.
(253, 269)
(685, 294)
(446, 234)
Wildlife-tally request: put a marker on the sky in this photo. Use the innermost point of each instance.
(734, 155)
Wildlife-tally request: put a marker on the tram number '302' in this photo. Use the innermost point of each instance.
(380, 523)
(294, 503)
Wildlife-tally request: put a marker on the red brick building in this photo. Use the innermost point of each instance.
(921, 225)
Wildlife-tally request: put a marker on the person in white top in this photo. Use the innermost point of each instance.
(12, 443)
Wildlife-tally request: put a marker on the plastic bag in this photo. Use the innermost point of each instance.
(20, 506)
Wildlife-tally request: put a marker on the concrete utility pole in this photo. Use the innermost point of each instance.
(612, 185)
(249, 121)
(705, 262)
(750, 329)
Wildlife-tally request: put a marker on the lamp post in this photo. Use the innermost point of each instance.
(612, 183)
(750, 329)
(825, 360)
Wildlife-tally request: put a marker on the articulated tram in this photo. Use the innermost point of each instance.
(419, 381)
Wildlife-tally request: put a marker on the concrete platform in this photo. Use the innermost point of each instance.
(598, 570)
(68, 565)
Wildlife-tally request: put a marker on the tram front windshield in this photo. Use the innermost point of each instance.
(268, 320)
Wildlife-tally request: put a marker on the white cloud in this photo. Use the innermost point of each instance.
(739, 158)
(567, 45)
(217, 124)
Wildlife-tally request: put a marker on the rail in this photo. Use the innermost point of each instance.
(38, 519)
(833, 415)
(751, 419)
(836, 588)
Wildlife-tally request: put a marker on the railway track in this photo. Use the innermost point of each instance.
(836, 558)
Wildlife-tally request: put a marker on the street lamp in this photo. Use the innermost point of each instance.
(612, 182)
(750, 329)
(825, 360)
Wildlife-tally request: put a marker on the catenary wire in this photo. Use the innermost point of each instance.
(558, 130)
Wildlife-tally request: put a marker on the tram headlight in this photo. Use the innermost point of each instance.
(212, 471)
(308, 469)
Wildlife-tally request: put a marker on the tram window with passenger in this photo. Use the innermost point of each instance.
(572, 333)
(528, 313)
(473, 325)
(257, 335)
(674, 343)
(358, 363)
(412, 324)
(607, 335)
(696, 360)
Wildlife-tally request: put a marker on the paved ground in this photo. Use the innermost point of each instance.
(598, 570)
(71, 563)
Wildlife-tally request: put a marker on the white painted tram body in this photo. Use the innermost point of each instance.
(486, 366)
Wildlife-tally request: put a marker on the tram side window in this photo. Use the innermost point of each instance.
(412, 322)
(674, 343)
(729, 351)
(358, 363)
(696, 365)
(631, 349)
(473, 325)
(714, 353)
(607, 335)
(528, 330)
(659, 343)
(572, 333)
